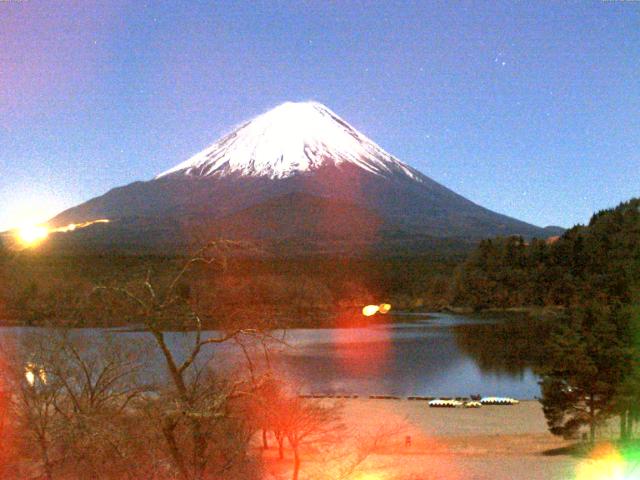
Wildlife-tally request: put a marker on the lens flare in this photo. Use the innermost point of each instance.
(370, 476)
(29, 375)
(384, 308)
(75, 226)
(606, 462)
(370, 310)
(32, 235)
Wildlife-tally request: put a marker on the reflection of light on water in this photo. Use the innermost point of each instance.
(30, 376)
(398, 359)
(33, 372)
(357, 356)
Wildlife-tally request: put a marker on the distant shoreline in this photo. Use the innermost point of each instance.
(347, 318)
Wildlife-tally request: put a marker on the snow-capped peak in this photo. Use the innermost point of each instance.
(289, 139)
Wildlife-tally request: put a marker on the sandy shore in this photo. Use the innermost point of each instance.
(492, 442)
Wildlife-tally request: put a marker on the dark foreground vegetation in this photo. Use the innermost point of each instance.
(77, 404)
(79, 408)
(591, 365)
(305, 291)
(599, 261)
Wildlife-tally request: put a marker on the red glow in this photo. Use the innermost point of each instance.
(7, 428)
(426, 455)
(360, 351)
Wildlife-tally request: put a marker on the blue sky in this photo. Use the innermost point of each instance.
(528, 108)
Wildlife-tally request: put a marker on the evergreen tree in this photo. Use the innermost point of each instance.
(627, 403)
(588, 360)
(600, 261)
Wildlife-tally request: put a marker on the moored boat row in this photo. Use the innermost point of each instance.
(474, 402)
(454, 403)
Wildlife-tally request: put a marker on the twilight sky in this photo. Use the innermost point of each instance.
(531, 109)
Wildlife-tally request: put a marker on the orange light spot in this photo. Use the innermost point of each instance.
(29, 374)
(384, 308)
(604, 463)
(370, 476)
(370, 310)
(32, 235)
(74, 226)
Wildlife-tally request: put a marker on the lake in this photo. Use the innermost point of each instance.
(434, 355)
(428, 355)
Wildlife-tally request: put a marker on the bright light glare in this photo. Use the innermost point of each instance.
(29, 375)
(32, 204)
(384, 308)
(75, 226)
(33, 372)
(369, 476)
(607, 463)
(370, 310)
(32, 235)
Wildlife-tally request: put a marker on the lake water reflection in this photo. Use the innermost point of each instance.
(419, 354)
(435, 355)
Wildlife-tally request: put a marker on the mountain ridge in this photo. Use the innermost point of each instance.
(288, 139)
(320, 158)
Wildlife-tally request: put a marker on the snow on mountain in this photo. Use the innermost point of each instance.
(290, 139)
(297, 174)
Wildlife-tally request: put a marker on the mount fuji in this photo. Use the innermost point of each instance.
(295, 175)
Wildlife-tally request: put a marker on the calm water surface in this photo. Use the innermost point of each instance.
(430, 355)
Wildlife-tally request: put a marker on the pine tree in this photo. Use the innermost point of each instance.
(587, 363)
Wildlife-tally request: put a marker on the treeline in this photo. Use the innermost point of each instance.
(304, 291)
(590, 367)
(85, 403)
(599, 261)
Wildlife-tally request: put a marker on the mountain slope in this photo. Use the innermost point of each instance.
(291, 163)
(292, 138)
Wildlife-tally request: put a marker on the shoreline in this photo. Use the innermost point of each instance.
(319, 318)
(487, 443)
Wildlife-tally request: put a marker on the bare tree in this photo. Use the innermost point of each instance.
(348, 459)
(5, 426)
(314, 427)
(71, 400)
(197, 402)
(270, 406)
(32, 409)
(99, 379)
(85, 405)
(309, 422)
